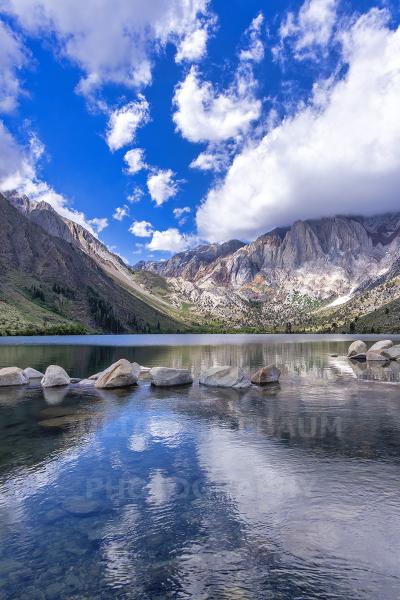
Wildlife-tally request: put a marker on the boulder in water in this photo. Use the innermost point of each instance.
(268, 374)
(381, 345)
(227, 377)
(33, 373)
(165, 377)
(12, 376)
(356, 348)
(55, 376)
(378, 356)
(393, 352)
(120, 374)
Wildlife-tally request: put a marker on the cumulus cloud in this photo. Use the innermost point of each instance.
(135, 161)
(311, 29)
(141, 229)
(193, 46)
(205, 115)
(337, 154)
(124, 122)
(136, 195)
(162, 186)
(12, 58)
(15, 164)
(112, 41)
(179, 213)
(255, 50)
(98, 224)
(121, 212)
(171, 240)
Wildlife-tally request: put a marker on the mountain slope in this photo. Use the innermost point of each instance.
(47, 282)
(300, 274)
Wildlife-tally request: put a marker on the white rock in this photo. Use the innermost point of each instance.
(95, 376)
(165, 377)
(231, 377)
(120, 374)
(55, 376)
(145, 369)
(393, 352)
(357, 347)
(382, 345)
(33, 373)
(378, 356)
(12, 376)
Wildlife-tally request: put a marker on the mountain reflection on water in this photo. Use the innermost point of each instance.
(288, 491)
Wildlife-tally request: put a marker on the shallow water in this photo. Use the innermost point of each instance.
(289, 491)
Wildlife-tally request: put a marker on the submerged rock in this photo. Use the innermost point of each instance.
(165, 377)
(55, 376)
(64, 422)
(381, 345)
(268, 374)
(12, 376)
(231, 377)
(357, 347)
(120, 374)
(33, 373)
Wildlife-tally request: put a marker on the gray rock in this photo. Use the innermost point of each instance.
(87, 382)
(12, 376)
(55, 376)
(378, 356)
(120, 374)
(393, 352)
(33, 373)
(165, 377)
(96, 376)
(357, 347)
(230, 377)
(382, 345)
(268, 374)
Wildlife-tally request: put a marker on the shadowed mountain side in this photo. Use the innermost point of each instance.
(49, 283)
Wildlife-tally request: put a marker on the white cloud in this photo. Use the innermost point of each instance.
(135, 161)
(121, 212)
(112, 41)
(193, 46)
(161, 186)
(125, 121)
(141, 229)
(215, 158)
(338, 154)
(171, 240)
(206, 115)
(18, 172)
(311, 29)
(12, 58)
(179, 213)
(255, 50)
(98, 224)
(136, 196)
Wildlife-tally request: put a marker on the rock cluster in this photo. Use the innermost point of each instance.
(124, 374)
(382, 351)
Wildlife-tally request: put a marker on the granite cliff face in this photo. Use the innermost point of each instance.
(290, 272)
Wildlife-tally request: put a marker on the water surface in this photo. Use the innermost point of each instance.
(289, 491)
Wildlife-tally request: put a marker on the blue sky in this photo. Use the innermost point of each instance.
(235, 117)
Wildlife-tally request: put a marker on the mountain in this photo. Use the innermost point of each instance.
(316, 274)
(58, 277)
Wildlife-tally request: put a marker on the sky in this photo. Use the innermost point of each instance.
(164, 124)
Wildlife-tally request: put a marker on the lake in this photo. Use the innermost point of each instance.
(284, 492)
